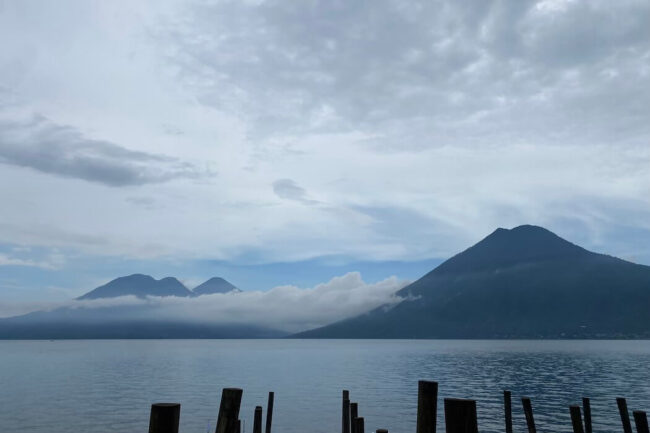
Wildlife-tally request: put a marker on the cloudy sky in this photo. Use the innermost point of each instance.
(287, 143)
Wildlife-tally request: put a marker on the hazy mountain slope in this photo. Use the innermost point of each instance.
(213, 285)
(138, 285)
(520, 283)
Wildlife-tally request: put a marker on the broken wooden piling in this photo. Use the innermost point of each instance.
(586, 406)
(229, 410)
(427, 406)
(528, 412)
(576, 418)
(345, 412)
(354, 413)
(641, 421)
(269, 412)
(164, 417)
(507, 408)
(359, 426)
(625, 415)
(460, 416)
(257, 420)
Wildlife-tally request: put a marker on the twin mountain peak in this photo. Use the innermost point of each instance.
(144, 285)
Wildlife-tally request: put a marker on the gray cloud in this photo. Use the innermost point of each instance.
(425, 73)
(287, 189)
(42, 145)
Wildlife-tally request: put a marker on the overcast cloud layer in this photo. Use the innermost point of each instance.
(268, 131)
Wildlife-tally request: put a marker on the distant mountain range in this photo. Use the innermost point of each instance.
(521, 283)
(140, 285)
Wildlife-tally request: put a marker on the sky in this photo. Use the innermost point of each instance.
(280, 143)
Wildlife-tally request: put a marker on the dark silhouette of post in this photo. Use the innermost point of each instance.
(269, 413)
(164, 417)
(576, 418)
(528, 411)
(229, 410)
(359, 426)
(381, 430)
(427, 406)
(507, 408)
(257, 420)
(460, 416)
(238, 426)
(625, 415)
(586, 405)
(345, 412)
(354, 413)
(641, 421)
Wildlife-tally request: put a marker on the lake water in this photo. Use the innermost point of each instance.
(108, 386)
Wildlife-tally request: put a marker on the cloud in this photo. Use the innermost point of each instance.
(287, 189)
(51, 262)
(288, 308)
(42, 145)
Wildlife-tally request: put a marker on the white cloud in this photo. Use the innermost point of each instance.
(287, 308)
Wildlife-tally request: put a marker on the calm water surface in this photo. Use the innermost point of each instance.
(108, 386)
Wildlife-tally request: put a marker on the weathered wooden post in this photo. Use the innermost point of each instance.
(345, 412)
(641, 421)
(460, 416)
(576, 418)
(586, 405)
(164, 417)
(528, 411)
(625, 415)
(257, 420)
(269, 412)
(427, 406)
(354, 413)
(229, 410)
(359, 426)
(381, 430)
(507, 407)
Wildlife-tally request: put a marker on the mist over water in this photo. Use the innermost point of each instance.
(108, 386)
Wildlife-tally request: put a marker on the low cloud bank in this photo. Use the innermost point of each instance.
(287, 308)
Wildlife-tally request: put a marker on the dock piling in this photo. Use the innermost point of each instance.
(625, 415)
(359, 425)
(257, 420)
(576, 418)
(528, 411)
(507, 408)
(229, 410)
(586, 406)
(345, 412)
(427, 406)
(164, 417)
(460, 416)
(269, 412)
(354, 413)
(641, 421)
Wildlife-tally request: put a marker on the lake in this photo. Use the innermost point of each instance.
(108, 386)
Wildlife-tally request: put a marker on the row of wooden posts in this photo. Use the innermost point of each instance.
(460, 414)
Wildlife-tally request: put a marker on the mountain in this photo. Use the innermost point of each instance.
(521, 283)
(214, 285)
(138, 285)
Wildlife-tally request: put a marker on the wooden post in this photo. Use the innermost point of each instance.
(460, 416)
(229, 410)
(358, 424)
(381, 430)
(507, 407)
(164, 417)
(528, 411)
(586, 405)
(257, 420)
(625, 415)
(354, 413)
(427, 406)
(269, 412)
(345, 412)
(238, 426)
(641, 421)
(576, 418)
